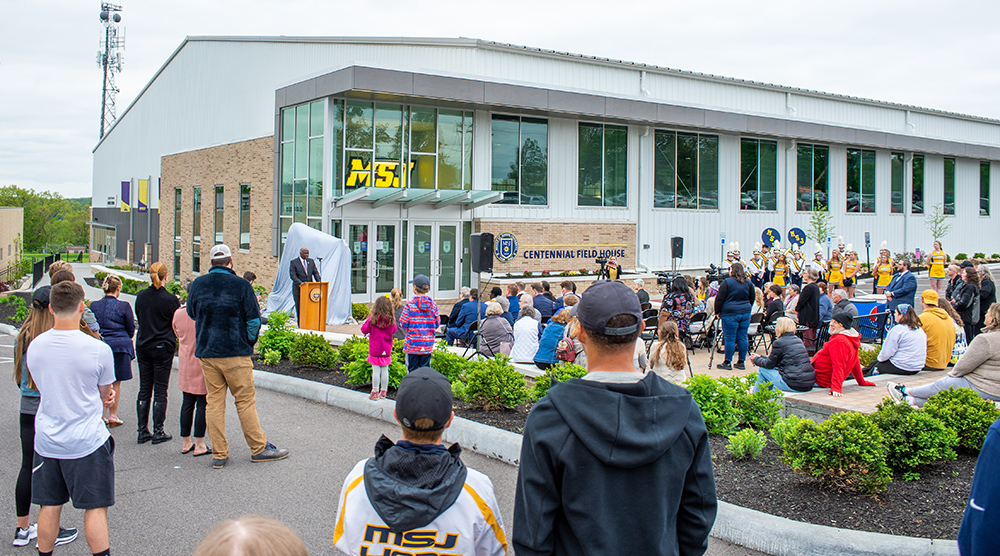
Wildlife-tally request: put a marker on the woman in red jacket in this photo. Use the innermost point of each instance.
(839, 356)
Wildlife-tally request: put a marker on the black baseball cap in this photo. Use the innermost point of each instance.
(605, 300)
(424, 393)
(421, 281)
(40, 298)
(967, 264)
(845, 319)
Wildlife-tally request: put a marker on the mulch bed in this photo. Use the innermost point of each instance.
(7, 311)
(931, 507)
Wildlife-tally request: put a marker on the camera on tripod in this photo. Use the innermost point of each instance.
(715, 273)
(601, 260)
(665, 278)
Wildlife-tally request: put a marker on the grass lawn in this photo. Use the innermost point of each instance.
(66, 257)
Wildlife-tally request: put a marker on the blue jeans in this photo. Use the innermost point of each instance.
(415, 361)
(765, 375)
(734, 329)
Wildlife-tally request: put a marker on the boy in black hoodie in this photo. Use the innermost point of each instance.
(615, 462)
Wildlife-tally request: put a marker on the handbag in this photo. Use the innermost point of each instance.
(566, 351)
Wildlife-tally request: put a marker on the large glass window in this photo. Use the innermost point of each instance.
(917, 185)
(177, 233)
(949, 186)
(301, 192)
(758, 175)
(603, 165)
(245, 216)
(896, 164)
(220, 207)
(984, 189)
(685, 170)
(813, 181)
(860, 180)
(520, 159)
(196, 231)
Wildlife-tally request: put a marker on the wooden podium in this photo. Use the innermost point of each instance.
(312, 305)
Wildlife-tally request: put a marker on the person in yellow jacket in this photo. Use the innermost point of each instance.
(416, 496)
(834, 269)
(937, 261)
(883, 269)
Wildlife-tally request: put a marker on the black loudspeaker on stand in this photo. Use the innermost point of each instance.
(677, 248)
(481, 251)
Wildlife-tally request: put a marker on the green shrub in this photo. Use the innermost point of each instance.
(847, 451)
(717, 402)
(451, 365)
(912, 437)
(979, 255)
(963, 411)
(558, 373)
(20, 310)
(128, 285)
(176, 288)
(747, 443)
(259, 290)
(360, 372)
(961, 256)
(494, 384)
(272, 357)
(354, 348)
(757, 410)
(782, 428)
(278, 336)
(867, 354)
(313, 350)
(359, 311)
(995, 256)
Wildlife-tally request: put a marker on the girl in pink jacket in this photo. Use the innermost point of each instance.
(379, 328)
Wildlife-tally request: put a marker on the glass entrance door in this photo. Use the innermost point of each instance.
(435, 253)
(374, 260)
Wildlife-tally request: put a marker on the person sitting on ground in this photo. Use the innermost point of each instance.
(88, 316)
(940, 331)
(787, 367)
(525, 337)
(495, 331)
(839, 357)
(463, 299)
(965, 299)
(471, 312)
(638, 286)
(825, 305)
(904, 349)
(513, 300)
(545, 357)
(842, 304)
(774, 302)
(417, 488)
(668, 356)
(252, 535)
(961, 344)
(978, 369)
(543, 305)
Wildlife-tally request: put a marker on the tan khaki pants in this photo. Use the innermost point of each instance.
(236, 374)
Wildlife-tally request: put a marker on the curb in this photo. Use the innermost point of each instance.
(745, 527)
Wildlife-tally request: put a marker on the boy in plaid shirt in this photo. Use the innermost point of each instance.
(420, 319)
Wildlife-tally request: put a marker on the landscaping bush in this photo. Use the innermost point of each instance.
(359, 311)
(176, 288)
(354, 348)
(451, 365)
(493, 384)
(995, 256)
(912, 437)
(128, 285)
(278, 336)
(20, 310)
(757, 410)
(782, 428)
(354, 354)
(961, 256)
(963, 411)
(717, 403)
(747, 443)
(558, 373)
(868, 353)
(979, 255)
(272, 357)
(847, 451)
(313, 350)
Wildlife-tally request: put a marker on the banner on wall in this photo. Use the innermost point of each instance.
(142, 203)
(126, 196)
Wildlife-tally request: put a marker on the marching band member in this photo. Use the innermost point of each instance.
(883, 269)
(736, 253)
(767, 254)
(842, 248)
(731, 256)
(818, 263)
(756, 267)
(795, 265)
(851, 265)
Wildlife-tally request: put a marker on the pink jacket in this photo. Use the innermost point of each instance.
(189, 377)
(379, 339)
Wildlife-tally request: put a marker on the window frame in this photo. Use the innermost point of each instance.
(604, 156)
(494, 116)
(913, 182)
(757, 173)
(901, 157)
(862, 177)
(812, 173)
(196, 231)
(220, 214)
(946, 186)
(984, 165)
(245, 191)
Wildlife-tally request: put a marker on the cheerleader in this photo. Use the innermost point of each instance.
(936, 260)
(850, 271)
(835, 266)
(883, 269)
(780, 268)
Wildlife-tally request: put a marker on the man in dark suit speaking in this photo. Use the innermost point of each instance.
(302, 269)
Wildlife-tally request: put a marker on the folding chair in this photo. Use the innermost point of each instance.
(767, 330)
(696, 329)
(650, 331)
(871, 327)
(754, 331)
(471, 344)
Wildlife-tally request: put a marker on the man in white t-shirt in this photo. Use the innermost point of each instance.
(74, 453)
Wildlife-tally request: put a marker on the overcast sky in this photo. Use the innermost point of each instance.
(931, 54)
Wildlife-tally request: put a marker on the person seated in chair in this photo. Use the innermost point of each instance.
(471, 312)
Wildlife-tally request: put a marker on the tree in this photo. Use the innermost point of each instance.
(48, 217)
(938, 223)
(821, 224)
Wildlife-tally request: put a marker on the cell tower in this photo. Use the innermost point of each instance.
(110, 58)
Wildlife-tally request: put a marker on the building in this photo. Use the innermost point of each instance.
(406, 147)
(11, 237)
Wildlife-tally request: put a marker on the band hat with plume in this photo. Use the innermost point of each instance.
(840, 241)
(819, 249)
(850, 247)
(884, 246)
(756, 248)
(795, 248)
(734, 247)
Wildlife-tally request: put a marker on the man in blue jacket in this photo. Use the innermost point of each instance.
(227, 321)
(471, 312)
(616, 462)
(902, 288)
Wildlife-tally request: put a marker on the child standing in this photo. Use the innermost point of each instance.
(420, 318)
(379, 328)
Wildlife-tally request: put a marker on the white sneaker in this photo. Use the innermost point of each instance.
(23, 536)
(897, 391)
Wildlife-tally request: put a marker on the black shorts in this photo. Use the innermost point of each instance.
(89, 481)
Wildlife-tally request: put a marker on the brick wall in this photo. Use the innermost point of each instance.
(246, 162)
(573, 237)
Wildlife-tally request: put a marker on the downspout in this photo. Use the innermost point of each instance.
(642, 88)
(638, 213)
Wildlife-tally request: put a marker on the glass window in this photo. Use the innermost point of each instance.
(685, 170)
(177, 233)
(758, 175)
(896, 161)
(520, 159)
(302, 158)
(450, 146)
(860, 180)
(813, 164)
(603, 168)
(245, 216)
(338, 147)
(917, 185)
(949, 186)
(220, 208)
(984, 189)
(196, 231)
